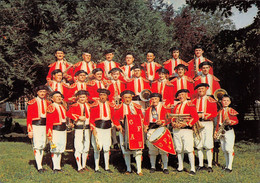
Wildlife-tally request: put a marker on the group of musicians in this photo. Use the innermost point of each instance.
(140, 101)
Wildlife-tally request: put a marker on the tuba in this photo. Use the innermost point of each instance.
(145, 95)
(218, 94)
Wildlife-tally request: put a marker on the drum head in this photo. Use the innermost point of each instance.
(157, 134)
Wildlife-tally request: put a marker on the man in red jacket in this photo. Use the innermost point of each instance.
(182, 129)
(227, 117)
(36, 124)
(102, 112)
(151, 66)
(80, 114)
(207, 111)
(56, 129)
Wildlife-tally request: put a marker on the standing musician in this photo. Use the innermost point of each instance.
(205, 77)
(127, 108)
(172, 63)
(163, 86)
(102, 112)
(182, 129)
(227, 117)
(87, 65)
(36, 124)
(108, 64)
(80, 84)
(97, 83)
(182, 81)
(56, 84)
(207, 111)
(154, 118)
(151, 66)
(80, 114)
(56, 129)
(194, 69)
(65, 67)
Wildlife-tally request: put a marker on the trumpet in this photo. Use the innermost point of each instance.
(180, 119)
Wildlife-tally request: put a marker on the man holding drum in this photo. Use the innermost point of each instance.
(154, 118)
(128, 108)
(182, 129)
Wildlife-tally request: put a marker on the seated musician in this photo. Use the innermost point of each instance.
(128, 108)
(154, 118)
(80, 114)
(182, 129)
(102, 112)
(207, 111)
(227, 117)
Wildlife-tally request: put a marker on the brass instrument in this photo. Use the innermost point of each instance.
(218, 94)
(145, 97)
(221, 131)
(180, 119)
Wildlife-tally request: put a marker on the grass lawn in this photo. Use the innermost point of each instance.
(17, 164)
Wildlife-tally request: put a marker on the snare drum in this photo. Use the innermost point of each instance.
(162, 139)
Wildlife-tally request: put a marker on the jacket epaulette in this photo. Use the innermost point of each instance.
(197, 78)
(157, 64)
(94, 104)
(193, 100)
(137, 106)
(50, 109)
(166, 62)
(211, 100)
(118, 106)
(174, 79)
(111, 104)
(190, 104)
(232, 112)
(66, 85)
(78, 64)
(146, 80)
(189, 79)
(208, 60)
(32, 101)
(215, 78)
(91, 83)
(168, 83)
(52, 64)
(73, 85)
(130, 80)
(74, 105)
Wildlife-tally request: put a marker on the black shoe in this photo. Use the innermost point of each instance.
(179, 170)
(41, 171)
(200, 168)
(57, 170)
(228, 170)
(165, 171)
(152, 170)
(116, 146)
(192, 173)
(109, 171)
(210, 169)
(97, 171)
(81, 171)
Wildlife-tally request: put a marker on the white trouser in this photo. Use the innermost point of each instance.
(136, 153)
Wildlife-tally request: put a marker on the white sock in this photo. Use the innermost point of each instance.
(230, 160)
(165, 161)
(201, 157)
(209, 157)
(78, 159)
(59, 160)
(106, 157)
(38, 158)
(56, 160)
(152, 160)
(84, 159)
(96, 157)
(192, 161)
(127, 162)
(226, 158)
(138, 160)
(180, 160)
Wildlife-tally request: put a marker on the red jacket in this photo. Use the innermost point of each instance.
(211, 80)
(107, 68)
(82, 65)
(56, 115)
(76, 111)
(183, 83)
(171, 64)
(229, 114)
(61, 87)
(161, 111)
(128, 74)
(151, 74)
(93, 86)
(63, 67)
(74, 88)
(187, 108)
(98, 114)
(209, 107)
(166, 90)
(34, 111)
(133, 85)
(191, 68)
(122, 109)
(112, 88)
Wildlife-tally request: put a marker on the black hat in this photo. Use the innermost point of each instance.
(56, 71)
(200, 85)
(56, 92)
(156, 95)
(114, 70)
(205, 63)
(41, 87)
(181, 65)
(97, 70)
(86, 52)
(129, 53)
(163, 70)
(60, 49)
(150, 51)
(109, 51)
(82, 92)
(198, 46)
(173, 49)
(127, 92)
(103, 91)
(181, 91)
(80, 71)
(226, 95)
(137, 66)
